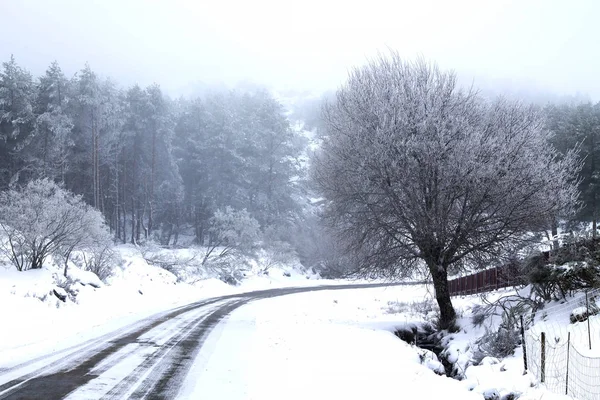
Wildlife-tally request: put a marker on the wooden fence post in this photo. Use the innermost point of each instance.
(485, 278)
(496, 271)
(524, 346)
(568, 351)
(543, 359)
(587, 310)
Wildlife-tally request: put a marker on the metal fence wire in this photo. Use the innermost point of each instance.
(584, 375)
(557, 351)
(562, 352)
(562, 368)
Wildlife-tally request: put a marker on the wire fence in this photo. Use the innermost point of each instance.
(562, 346)
(564, 356)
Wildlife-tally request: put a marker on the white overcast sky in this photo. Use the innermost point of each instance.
(547, 45)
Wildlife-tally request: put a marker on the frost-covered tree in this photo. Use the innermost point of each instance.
(97, 115)
(236, 150)
(578, 126)
(49, 152)
(16, 118)
(231, 233)
(417, 172)
(43, 219)
(145, 162)
(231, 230)
(270, 159)
(170, 211)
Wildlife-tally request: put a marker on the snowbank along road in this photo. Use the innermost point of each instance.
(146, 360)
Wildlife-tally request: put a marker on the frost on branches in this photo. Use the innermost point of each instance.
(43, 219)
(420, 173)
(231, 232)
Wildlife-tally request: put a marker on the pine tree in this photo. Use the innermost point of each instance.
(17, 120)
(49, 151)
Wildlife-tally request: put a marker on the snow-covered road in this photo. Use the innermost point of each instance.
(158, 357)
(319, 345)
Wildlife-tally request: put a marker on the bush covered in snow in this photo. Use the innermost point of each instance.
(498, 344)
(583, 312)
(552, 282)
(570, 268)
(232, 233)
(43, 219)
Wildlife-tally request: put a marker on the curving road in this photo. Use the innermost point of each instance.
(146, 360)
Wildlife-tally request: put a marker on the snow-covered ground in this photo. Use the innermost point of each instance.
(35, 321)
(329, 344)
(339, 345)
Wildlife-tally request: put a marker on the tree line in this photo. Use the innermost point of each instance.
(577, 126)
(414, 173)
(153, 166)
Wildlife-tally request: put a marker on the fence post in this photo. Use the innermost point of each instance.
(543, 359)
(524, 347)
(587, 310)
(568, 351)
(485, 284)
(496, 270)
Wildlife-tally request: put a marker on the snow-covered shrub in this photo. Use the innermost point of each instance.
(228, 269)
(181, 263)
(579, 275)
(431, 361)
(544, 279)
(232, 233)
(43, 219)
(407, 333)
(478, 316)
(577, 248)
(396, 307)
(552, 281)
(498, 344)
(584, 311)
(276, 253)
(426, 307)
(101, 259)
(232, 230)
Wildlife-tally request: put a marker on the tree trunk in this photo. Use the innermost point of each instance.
(593, 181)
(67, 262)
(95, 163)
(123, 203)
(134, 192)
(124, 226)
(555, 235)
(133, 220)
(169, 234)
(138, 223)
(152, 173)
(442, 295)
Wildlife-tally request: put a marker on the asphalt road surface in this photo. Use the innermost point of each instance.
(146, 360)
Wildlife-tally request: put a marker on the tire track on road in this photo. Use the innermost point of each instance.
(159, 375)
(73, 370)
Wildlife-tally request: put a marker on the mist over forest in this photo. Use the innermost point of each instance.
(193, 119)
(232, 199)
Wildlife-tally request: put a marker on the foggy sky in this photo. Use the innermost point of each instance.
(550, 46)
